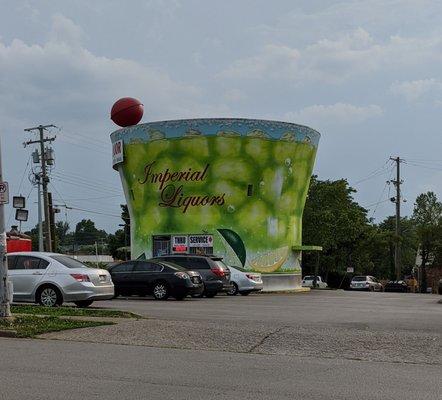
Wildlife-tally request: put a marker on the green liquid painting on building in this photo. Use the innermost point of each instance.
(241, 182)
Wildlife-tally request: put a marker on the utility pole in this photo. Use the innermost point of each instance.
(397, 248)
(45, 180)
(40, 222)
(5, 287)
(52, 212)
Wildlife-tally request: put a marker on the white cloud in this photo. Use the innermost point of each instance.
(63, 78)
(415, 90)
(339, 113)
(336, 60)
(274, 61)
(65, 30)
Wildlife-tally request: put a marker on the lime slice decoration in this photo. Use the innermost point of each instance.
(271, 261)
(235, 242)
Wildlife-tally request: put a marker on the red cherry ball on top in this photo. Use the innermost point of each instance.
(127, 111)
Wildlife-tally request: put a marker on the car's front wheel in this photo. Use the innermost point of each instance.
(160, 291)
(234, 290)
(83, 303)
(49, 296)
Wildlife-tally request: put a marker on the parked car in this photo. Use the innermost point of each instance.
(396, 286)
(244, 282)
(309, 280)
(52, 279)
(365, 282)
(160, 279)
(440, 286)
(215, 274)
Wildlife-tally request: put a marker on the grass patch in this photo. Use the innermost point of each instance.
(30, 325)
(71, 311)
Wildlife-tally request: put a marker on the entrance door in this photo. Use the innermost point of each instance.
(161, 246)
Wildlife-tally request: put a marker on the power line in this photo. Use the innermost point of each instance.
(93, 198)
(379, 201)
(375, 204)
(70, 175)
(85, 185)
(422, 166)
(377, 172)
(89, 211)
(24, 173)
(84, 137)
(84, 147)
(382, 194)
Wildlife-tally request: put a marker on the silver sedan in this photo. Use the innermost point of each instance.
(244, 282)
(51, 279)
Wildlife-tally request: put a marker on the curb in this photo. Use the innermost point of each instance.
(8, 333)
(294, 291)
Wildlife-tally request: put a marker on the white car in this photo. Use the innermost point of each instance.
(244, 282)
(309, 280)
(52, 279)
(366, 282)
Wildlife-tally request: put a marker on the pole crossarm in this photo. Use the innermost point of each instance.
(44, 127)
(38, 141)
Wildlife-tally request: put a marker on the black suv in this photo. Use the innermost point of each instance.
(161, 279)
(215, 274)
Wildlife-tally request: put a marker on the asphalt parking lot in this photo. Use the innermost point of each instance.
(324, 344)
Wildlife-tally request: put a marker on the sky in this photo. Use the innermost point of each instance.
(366, 74)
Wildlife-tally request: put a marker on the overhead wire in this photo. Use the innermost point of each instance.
(67, 137)
(377, 172)
(64, 131)
(85, 147)
(94, 181)
(414, 164)
(92, 198)
(380, 200)
(92, 211)
(85, 185)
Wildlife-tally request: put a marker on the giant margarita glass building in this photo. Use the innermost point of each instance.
(231, 187)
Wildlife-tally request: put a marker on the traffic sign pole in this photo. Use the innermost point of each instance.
(5, 287)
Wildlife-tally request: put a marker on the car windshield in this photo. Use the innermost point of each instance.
(359, 278)
(69, 262)
(309, 278)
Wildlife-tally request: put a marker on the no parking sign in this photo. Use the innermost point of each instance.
(4, 193)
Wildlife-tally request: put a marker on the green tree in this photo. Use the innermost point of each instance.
(382, 254)
(333, 220)
(87, 233)
(120, 240)
(427, 215)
